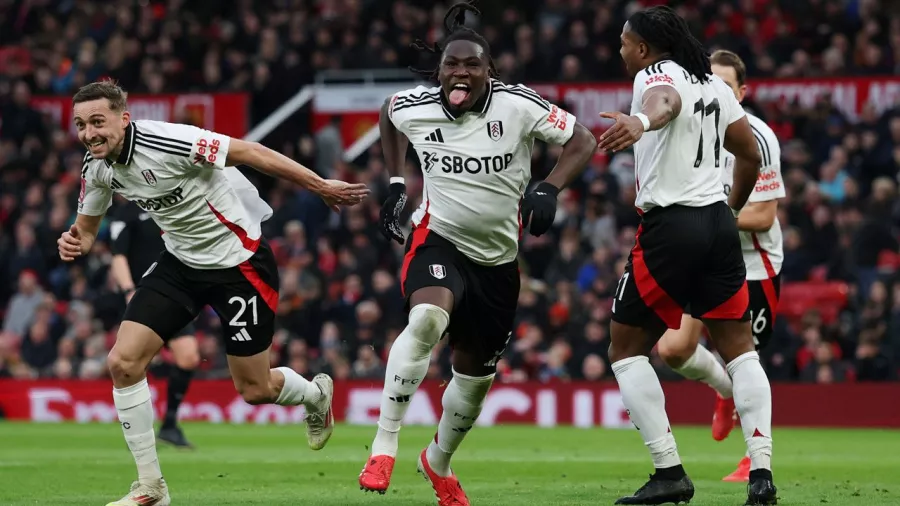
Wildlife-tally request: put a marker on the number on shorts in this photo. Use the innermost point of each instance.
(620, 290)
(758, 324)
(236, 321)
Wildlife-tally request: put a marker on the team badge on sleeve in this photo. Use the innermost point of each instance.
(495, 130)
(149, 177)
(438, 271)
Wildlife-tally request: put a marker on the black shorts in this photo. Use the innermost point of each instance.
(171, 294)
(189, 330)
(485, 297)
(684, 260)
(764, 295)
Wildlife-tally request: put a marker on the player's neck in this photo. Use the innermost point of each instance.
(116, 151)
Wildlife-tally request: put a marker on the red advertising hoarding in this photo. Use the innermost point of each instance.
(358, 106)
(226, 113)
(356, 402)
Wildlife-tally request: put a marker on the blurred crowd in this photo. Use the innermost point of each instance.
(340, 306)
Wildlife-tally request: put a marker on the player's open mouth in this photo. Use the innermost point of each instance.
(458, 94)
(96, 144)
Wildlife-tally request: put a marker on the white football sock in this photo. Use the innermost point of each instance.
(462, 402)
(136, 418)
(703, 366)
(406, 368)
(297, 390)
(753, 400)
(643, 397)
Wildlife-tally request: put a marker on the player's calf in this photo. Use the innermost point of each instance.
(462, 402)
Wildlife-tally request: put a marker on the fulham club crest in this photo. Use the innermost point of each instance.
(149, 177)
(438, 271)
(495, 130)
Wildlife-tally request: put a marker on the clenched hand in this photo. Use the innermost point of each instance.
(69, 244)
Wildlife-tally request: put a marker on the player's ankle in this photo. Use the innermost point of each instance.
(670, 473)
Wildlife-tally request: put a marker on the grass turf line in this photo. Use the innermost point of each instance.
(68, 464)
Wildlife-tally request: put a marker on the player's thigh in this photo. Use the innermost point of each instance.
(720, 288)
(654, 289)
(764, 296)
(678, 345)
(245, 297)
(482, 324)
(185, 349)
(430, 274)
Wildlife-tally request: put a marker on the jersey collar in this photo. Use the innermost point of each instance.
(127, 153)
(480, 106)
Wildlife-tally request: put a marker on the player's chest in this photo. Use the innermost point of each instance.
(151, 187)
(478, 148)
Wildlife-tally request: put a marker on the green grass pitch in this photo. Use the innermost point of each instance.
(498, 466)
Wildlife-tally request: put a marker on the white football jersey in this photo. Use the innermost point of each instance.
(209, 214)
(763, 251)
(476, 167)
(681, 163)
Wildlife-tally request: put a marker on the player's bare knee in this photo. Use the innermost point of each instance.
(674, 351)
(124, 370)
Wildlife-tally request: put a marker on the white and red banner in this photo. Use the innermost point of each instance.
(547, 405)
(225, 113)
(358, 106)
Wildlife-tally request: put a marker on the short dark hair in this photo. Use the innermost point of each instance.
(727, 58)
(108, 89)
(664, 30)
(453, 24)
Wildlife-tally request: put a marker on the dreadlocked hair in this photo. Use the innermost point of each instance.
(454, 27)
(667, 32)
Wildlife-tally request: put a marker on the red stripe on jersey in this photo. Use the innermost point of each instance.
(770, 271)
(521, 228)
(732, 309)
(249, 244)
(651, 293)
(768, 287)
(269, 295)
(420, 233)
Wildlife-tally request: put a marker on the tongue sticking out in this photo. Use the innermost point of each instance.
(458, 96)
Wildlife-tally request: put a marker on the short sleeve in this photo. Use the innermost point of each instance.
(193, 146)
(404, 105)
(769, 184)
(547, 122)
(658, 74)
(95, 197)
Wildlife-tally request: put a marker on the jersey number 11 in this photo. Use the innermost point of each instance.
(707, 110)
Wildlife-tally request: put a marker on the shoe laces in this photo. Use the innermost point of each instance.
(446, 496)
(315, 420)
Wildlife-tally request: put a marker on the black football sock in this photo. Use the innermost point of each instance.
(179, 379)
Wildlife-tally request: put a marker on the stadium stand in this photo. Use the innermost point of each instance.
(340, 304)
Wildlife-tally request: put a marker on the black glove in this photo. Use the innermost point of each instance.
(539, 208)
(390, 212)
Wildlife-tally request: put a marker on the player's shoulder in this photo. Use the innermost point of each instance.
(91, 166)
(163, 138)
(517, 94)
(761, 128)
(415, 97)
(665, 72)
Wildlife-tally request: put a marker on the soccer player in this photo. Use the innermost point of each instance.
(762, 249)
(136, 244)
(210, 215)
(474, 137)
(687, 252)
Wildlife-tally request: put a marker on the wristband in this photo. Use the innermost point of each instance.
(398, 180)
(735, 212)
(644, 120)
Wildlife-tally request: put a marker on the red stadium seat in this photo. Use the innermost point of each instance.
(827, 297)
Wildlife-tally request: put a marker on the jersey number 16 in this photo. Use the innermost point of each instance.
(707, 110)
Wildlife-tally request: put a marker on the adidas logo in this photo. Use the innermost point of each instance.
(435, 136)
(241, 336)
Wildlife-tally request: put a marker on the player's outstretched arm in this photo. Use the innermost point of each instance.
(78, 240)
(740, 141)
(333, 192)
(393, 145)
(659, 106)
